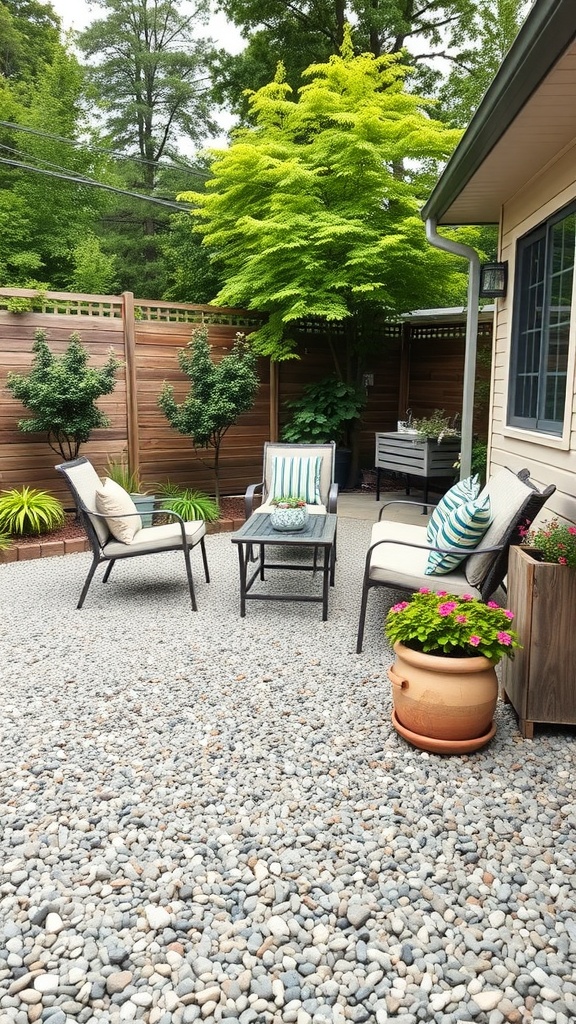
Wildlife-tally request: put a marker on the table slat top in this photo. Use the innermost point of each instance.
(320, 529)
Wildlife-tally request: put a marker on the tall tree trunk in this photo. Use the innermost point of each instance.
(340, 13)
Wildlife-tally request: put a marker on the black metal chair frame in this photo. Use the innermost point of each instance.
(98, 554)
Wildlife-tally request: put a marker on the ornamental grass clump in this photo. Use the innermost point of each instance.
(556, 541)
(453, 626)
(26, 510)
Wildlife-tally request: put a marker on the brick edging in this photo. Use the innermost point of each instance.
(48, 548)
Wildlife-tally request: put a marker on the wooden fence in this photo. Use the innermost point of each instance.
(406, 369)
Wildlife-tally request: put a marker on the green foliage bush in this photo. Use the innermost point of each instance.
(28, 510)
(325, 411)
(219, 393)
(61, 392)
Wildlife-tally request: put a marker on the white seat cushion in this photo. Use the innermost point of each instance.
(157, 538)
(114, 502)
(404, 567)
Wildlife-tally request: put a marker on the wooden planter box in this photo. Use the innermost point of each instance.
(539, 682)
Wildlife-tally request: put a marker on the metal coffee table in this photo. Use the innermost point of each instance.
(257, 532)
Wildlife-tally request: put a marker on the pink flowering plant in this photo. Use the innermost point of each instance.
(556, 541)
(456, 626)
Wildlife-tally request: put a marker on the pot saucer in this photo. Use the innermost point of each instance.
(436, 746)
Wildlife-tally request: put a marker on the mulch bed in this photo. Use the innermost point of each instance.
(230, 508)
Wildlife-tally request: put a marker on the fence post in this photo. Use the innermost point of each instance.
(274, 374)
(133, 439)
(404, 384)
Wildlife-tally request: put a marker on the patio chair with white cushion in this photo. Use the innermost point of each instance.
(470, 555)
(114, 527)
(296, 470)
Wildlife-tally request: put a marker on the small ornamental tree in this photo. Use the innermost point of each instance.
(219, 393)
(61, 392)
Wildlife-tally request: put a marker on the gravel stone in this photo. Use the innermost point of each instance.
(208, 818)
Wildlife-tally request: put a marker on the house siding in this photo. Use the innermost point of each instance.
(550, 460)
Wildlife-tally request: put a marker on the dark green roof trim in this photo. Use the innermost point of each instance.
(547, 32)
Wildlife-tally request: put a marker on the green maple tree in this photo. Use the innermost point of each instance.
(314, 212)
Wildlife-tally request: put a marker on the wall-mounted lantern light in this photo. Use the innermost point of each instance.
(493, 280)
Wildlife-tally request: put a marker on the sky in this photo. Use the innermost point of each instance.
(77, 14)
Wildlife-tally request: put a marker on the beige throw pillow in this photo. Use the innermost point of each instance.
(113, 501)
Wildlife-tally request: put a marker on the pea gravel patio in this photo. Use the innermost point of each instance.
(208, 818)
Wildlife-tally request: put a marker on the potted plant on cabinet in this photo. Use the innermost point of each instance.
(326, 411)
(542, 594)
(444, 685)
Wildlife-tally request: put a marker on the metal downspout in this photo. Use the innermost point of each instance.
(470, 254)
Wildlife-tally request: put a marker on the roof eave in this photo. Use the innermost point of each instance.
(546, 33)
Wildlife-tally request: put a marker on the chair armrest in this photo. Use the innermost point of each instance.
(401, 501)
(433, 547)
(251, 491)
(333, 498)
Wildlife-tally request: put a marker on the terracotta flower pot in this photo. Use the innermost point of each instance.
(443, 704)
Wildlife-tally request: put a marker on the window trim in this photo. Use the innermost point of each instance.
(554, 431)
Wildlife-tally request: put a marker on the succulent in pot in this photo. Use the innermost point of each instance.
(288, 502)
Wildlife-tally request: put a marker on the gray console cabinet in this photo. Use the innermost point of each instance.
(408, 454)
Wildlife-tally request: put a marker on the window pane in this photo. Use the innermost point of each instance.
(542, 322)
(528, 355)
(556, 329)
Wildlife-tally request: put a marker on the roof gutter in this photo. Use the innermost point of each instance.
(546, 33)
(470, 254)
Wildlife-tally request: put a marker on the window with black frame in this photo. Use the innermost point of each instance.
(541, 325)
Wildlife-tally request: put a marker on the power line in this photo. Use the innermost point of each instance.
(95, 184)
(102, 149)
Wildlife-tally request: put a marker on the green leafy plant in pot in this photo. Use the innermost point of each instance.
(436, 427)
(327, 410)
(444, 685)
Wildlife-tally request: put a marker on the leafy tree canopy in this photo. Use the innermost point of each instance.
(148, 68)
(314, 212)
(29, 33)
(43, 218)
(437, 36)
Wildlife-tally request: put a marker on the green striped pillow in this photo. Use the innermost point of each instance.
(461, 531)
(464, 490)
(297, 477)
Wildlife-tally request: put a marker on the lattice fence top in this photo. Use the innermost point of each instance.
(60, 303)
